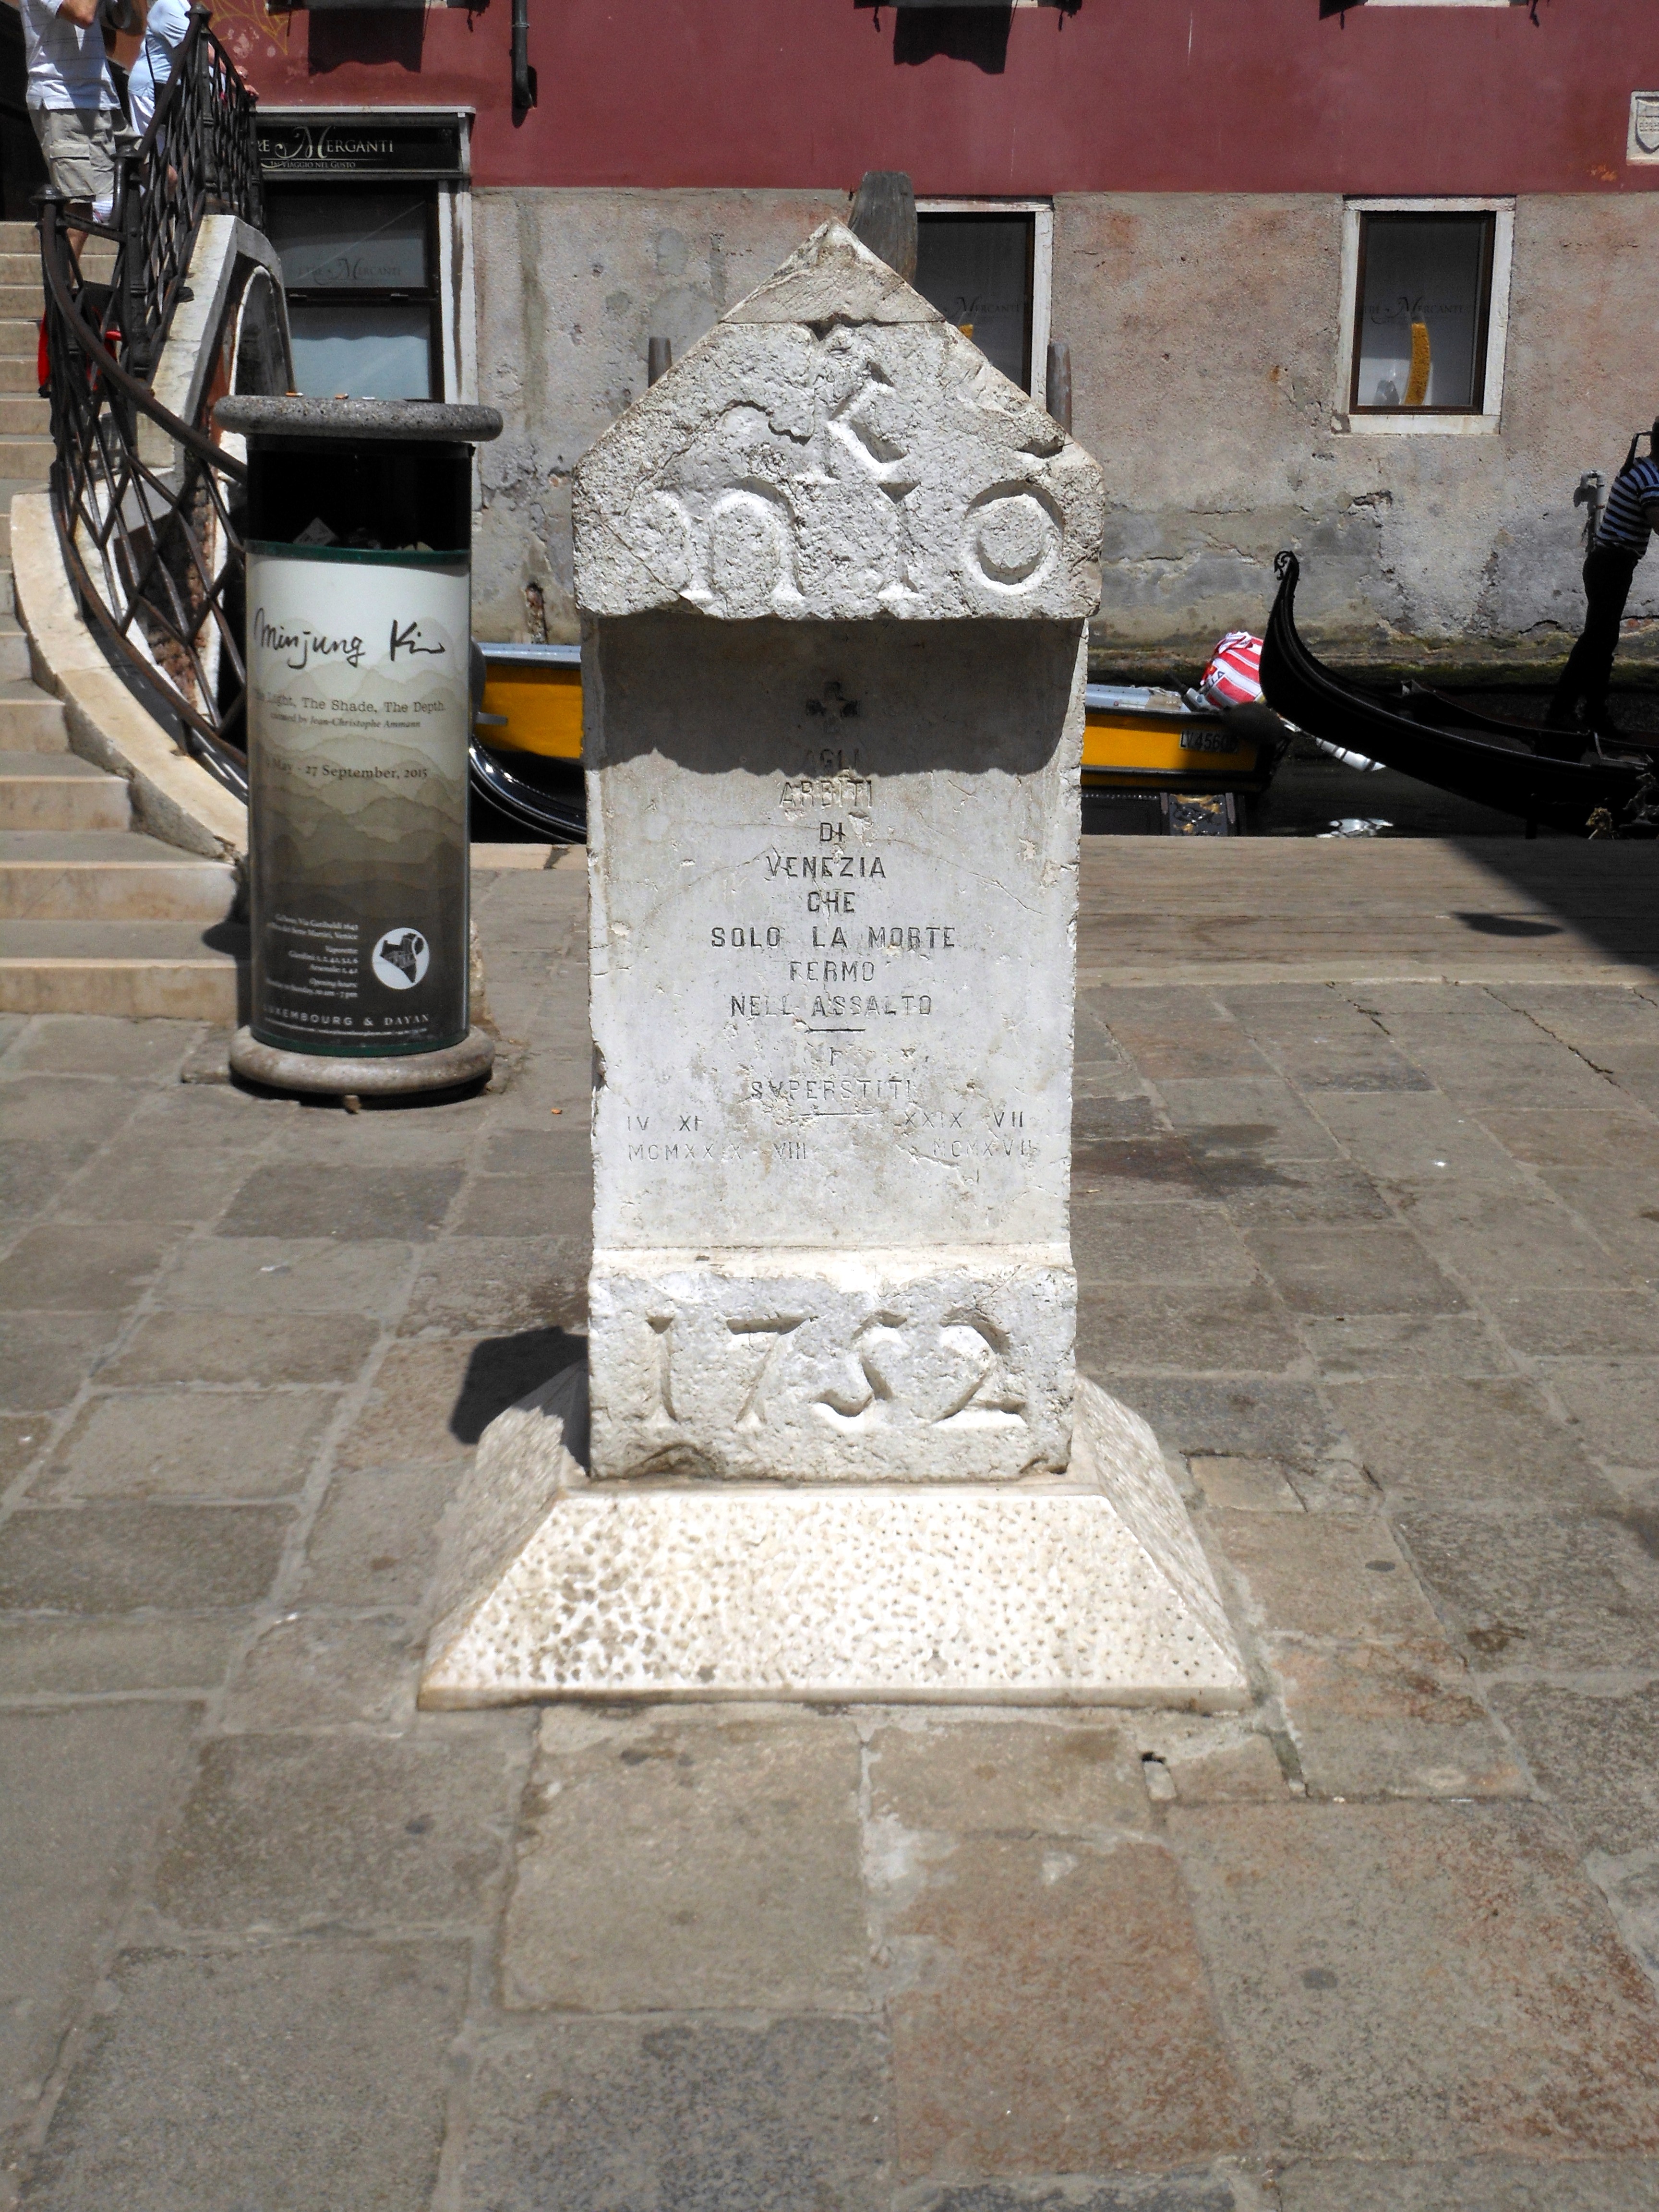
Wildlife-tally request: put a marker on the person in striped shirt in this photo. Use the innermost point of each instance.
(1631, 517)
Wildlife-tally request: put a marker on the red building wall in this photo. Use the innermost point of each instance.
(1135, 95)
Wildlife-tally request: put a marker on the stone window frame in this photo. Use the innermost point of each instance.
(1042, 267)
(456, 265)
(1414, 425)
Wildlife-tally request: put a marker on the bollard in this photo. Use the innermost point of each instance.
(358, 621)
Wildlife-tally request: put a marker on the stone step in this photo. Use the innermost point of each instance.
(30, 720)
(20, 301)
(20, 269)
(133, 968)
(19, 237)
(108, 875)
(30, 459)
(60, 791)
(20, 336)
(21, 375)
(13, 646)
(29, 415)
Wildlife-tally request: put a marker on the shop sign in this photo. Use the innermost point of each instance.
(364, 145)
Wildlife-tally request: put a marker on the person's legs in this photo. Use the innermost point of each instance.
(79, 145)
(1608, 570)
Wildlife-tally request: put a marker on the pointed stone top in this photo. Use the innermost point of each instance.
(832, 277)
(834, 450)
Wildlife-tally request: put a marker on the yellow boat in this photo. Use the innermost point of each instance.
(533, 704)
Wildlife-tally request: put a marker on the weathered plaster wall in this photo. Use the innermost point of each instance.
(1203, 337)
(571, 284)
(1204, 345)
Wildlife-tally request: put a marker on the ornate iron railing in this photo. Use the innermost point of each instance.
(198, 157)
(146, 504)
(147, 507)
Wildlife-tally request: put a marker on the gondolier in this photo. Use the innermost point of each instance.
(1630, 519)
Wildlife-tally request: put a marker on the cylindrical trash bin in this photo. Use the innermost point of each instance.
(359, 712)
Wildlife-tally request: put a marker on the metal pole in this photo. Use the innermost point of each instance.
(523, 78)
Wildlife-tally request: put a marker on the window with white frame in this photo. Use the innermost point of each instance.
(1425, 314)
(985, 264)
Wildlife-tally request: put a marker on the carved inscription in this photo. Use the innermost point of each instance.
(848, 989)
(945, 1368)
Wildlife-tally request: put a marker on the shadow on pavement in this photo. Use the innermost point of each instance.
(504, 1368)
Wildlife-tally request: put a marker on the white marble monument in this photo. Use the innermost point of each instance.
(836, 573)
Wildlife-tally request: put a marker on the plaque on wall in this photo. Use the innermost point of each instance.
(298, 143)
(1644, 144)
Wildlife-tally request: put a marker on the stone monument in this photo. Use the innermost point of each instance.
(836, 573)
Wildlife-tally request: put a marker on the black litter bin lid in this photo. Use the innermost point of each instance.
(402, 420)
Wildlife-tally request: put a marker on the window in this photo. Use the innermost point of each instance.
(1426, 300)
(985, 265)
(370, 212)
(362, 304)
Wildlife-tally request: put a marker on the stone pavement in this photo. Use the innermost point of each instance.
(1377, 1259)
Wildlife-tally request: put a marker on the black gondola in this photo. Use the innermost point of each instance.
(1437, 712)
(1488, 762)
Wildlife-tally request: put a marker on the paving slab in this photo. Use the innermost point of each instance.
(1556, 1592)
(84, 1791)
(1619, 1209)
(66, 1109)
(1248, 1485)
(100, 1044)
(285, 1275)
(65, 1269)
(116, 1558)
(1157, 1245)
(1471, 1440)
(529, 1206)
(1613, 1406)
(499, 1286)
(1411, 1139)
(1496, 1239)
(1421, 1982)
(1323, 1574)
(1596, 1755)
(689, 1864)
(1006, 2061)
(1208, 2191)
(155, 1177)
(1184, 1329)
(1080, 1776)
(45, 1357)
(94, 1658)
(1357, 1346)
(312, 1670)
(216, 1443)
(290, 2075)
(345, 1203)
(1325, 1193)
(247, 1348)
(1580, 1323)
(310, 1831)
(1244, 1416)
(701, 2114)
(1341, 1270)
(374, 1542)
(1506, 2185)
(1390, 1720)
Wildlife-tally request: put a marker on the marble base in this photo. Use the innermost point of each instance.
(335, 1075)
(1088, 1589)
